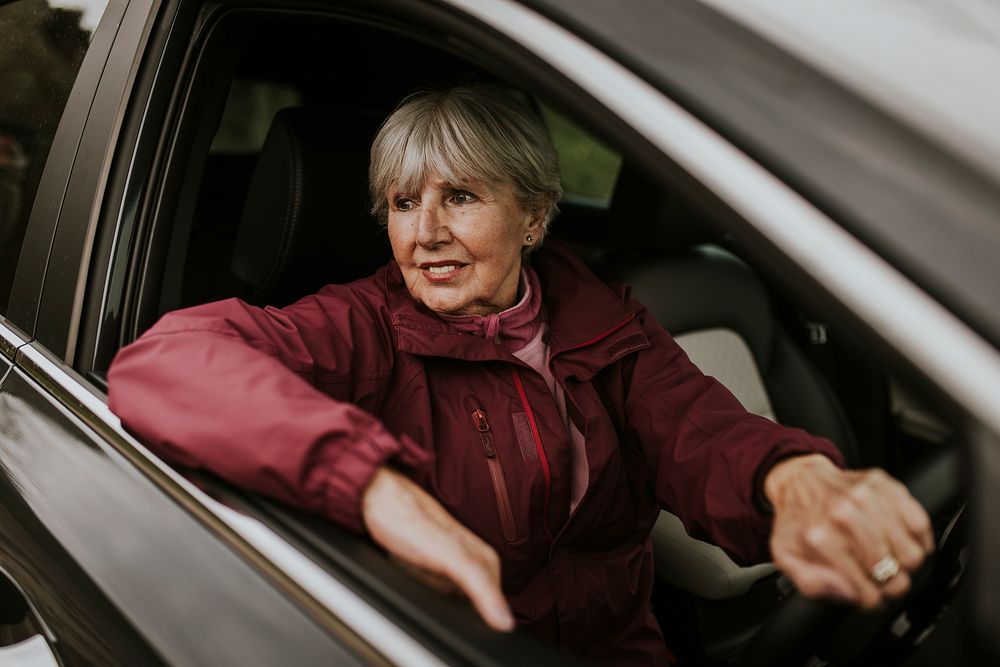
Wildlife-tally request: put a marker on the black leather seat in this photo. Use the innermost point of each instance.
(306, 221)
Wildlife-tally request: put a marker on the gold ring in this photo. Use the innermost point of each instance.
(885, 569)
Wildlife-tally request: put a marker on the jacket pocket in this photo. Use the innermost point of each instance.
(496, 475)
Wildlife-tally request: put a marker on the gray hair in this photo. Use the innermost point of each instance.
(478, 133)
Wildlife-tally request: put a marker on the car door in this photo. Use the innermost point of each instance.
(122, 559)
(52, 62)
(98, 566)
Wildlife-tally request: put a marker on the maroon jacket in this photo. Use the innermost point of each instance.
(246, 393)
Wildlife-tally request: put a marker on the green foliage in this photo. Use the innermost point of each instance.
(589, 168)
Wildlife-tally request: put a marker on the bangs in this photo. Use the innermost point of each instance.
(466, 136)
(452, 151)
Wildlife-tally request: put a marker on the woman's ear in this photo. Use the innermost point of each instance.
(535, 223)
(534, 228)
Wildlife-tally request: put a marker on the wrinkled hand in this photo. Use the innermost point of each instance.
(414, 528)
(832, 526)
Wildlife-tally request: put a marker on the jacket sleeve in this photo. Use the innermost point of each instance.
(233, 389)
(707, 454)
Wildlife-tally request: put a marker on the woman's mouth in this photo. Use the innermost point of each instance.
(441, 272)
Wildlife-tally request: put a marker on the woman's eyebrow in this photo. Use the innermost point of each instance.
(473, 186)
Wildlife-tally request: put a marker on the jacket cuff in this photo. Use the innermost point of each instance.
(356, 466)
(783, 452)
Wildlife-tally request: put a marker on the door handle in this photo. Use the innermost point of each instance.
(24, 639)
(32, 652)
(14, 607)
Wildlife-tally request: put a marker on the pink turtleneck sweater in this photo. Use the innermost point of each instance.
(521, 329)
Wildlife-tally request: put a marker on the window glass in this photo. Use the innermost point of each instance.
(589, 168)
(249, 110)
(41, 52)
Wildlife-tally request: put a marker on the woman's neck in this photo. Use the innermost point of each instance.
(514, 327)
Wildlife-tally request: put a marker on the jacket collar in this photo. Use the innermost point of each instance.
(516, 326)
(589, 324)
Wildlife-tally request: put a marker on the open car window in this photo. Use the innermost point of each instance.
(618, 212)
(589, 168)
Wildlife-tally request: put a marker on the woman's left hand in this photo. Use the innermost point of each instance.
(851, 535)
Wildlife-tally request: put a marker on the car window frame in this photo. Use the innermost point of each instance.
(32, 261)
(878, 176)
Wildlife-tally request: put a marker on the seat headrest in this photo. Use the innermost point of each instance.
(306, 222)
(655, 220)
(704, 287)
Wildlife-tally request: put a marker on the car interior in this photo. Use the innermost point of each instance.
(267, 201)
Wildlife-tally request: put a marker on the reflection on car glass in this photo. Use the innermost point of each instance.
(41, 52)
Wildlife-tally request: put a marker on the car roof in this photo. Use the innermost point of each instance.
(925, 207)
(934, 65)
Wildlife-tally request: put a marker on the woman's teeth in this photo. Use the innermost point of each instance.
(442, 269)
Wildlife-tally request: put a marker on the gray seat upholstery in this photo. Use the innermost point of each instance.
(721, 314)
(706, 289)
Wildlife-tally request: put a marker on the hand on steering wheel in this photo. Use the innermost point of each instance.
(854, 536)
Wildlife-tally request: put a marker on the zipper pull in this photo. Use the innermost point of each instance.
(483, 426)
(479, 419)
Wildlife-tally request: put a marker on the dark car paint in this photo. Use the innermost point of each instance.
(93, 544)
(35, 251)
(67, 220)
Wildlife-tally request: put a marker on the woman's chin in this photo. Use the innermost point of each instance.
(444, 306)
(453, 301)
(454, 311)
(458, 309)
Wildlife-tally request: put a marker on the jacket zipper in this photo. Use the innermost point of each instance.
(496, 475)
(542, 459)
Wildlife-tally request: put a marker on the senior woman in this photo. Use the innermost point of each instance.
(498, 418)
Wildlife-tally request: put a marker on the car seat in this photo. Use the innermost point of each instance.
(306, 221)
(720, 313)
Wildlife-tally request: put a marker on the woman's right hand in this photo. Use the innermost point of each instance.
(414, 528)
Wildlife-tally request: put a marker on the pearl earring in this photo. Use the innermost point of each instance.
(529, 238)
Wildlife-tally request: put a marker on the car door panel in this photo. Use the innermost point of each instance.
(9, 342)
(92, 543)
(88, 628)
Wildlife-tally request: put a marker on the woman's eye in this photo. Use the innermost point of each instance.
(463, 197)
(403, 204)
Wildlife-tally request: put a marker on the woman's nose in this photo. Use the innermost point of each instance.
(431, 228)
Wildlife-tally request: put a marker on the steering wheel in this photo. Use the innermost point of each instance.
(799, 625)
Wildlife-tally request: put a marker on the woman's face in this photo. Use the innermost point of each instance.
(459, 244)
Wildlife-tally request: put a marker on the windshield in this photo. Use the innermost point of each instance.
(935, 64)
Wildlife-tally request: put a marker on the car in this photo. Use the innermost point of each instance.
(806, 194)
